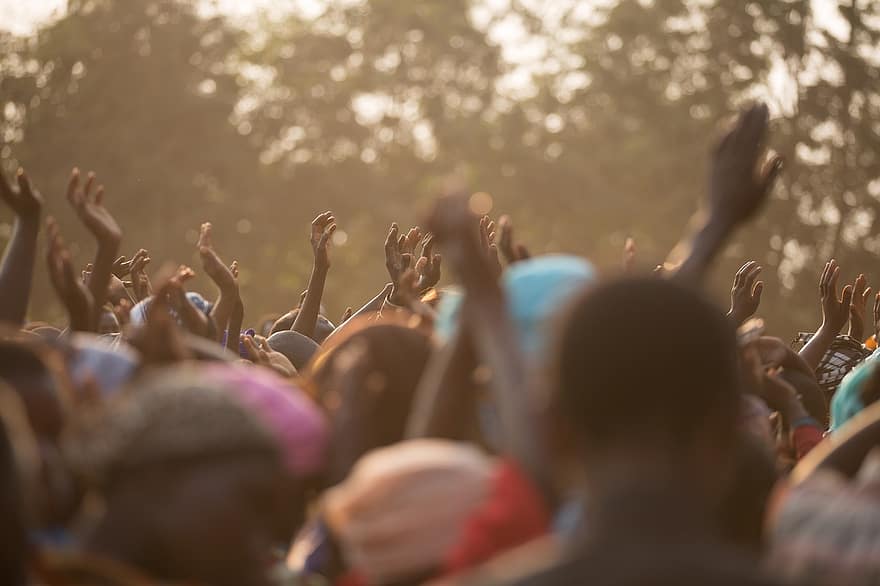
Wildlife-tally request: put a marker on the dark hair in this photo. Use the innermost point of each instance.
(323, 326)
(378, 404)
(646, 359)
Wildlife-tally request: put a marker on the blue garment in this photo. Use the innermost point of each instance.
(847, 401)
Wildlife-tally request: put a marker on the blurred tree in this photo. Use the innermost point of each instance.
(362, 108)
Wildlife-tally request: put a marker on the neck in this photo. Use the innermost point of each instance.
(646, 495)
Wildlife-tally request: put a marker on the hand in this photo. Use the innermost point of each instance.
(835, 310)
(629, 256)
(72, 292)
(397, 261)
(160, 340)
(222, 275)
(858, 307)
(877, 317)
(346, 315)
(122, 267)
(490, 250)
(512, 252)
(26, 202)
(465, 239)
(90, 209)
(262, 354)
(140, 282)
(428, 266)
(323, 228)
(745, 296)
(736, 187)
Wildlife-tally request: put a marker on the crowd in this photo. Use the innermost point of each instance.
(540, 422)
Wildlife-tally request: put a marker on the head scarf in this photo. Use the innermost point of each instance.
(110, 362)
(536, 289)
(403, 507)
(296, 423)
(847, 401)
(843, 355)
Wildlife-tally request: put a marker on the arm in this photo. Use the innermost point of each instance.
(225, 278)
(493, 336)
(235, 321)
(736, 190)
(17, 267)
(92, 213)
(745, 296)
(835, 313)
(71, 291)
(323, 228)
(445, 392)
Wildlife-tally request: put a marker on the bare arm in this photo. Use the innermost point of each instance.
(322, 230)
(17, 267)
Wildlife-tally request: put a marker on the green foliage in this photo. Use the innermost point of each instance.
(364, 108)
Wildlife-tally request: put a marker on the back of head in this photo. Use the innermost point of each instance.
(296, 347)
(646, 360)
(367, 381)
(323, 326)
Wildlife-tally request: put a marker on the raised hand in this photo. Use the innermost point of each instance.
(159, 340)
(26, 202)
(397, 261)
(745, 296)
(323, 228)
(140, 282)
(122, 267)
(17, 268)
(215, 268)
(858, 307)
(428, 266)
(262, 354)
(737, 186)
(490, 249)
(72, 291)
(465, 240)
(629, 255)
(90, 208)
(876, 314)
(835, 309)
(511, 251)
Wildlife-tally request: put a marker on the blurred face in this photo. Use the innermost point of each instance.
(222, 521)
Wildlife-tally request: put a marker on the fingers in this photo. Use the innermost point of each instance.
(73, 192)
(877, 308)
(302, 297)
(205, 237)
(751, 275)
(391, 239)
(255, 353)
(90, 180)
(233, 268)
(326, 236)
(6, 191)
(346, 315)
(321, 220)
(847, 295)
(771, 171)
(263, 343)
(421, 264)
(99, 195)
(756, 292)
(522, 253)
(24, 184)
(428, 248)
(438, 260)
(405, 260)
(834, 275)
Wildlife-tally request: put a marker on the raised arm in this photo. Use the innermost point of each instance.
(90, 209)
(737, 189)
(71, 290)
(17, 267)
(495, 342)
(835, 313)
(323, 228)
(224, 278)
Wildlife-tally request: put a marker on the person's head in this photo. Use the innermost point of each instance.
(296, 347)
(323, 326)
(405, 507)
(201, 470)
(366, 381)
(33, 372)
(108, 323)
(858, 390)
(673, 400)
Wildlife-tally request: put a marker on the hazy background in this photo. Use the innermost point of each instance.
(587, 121)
